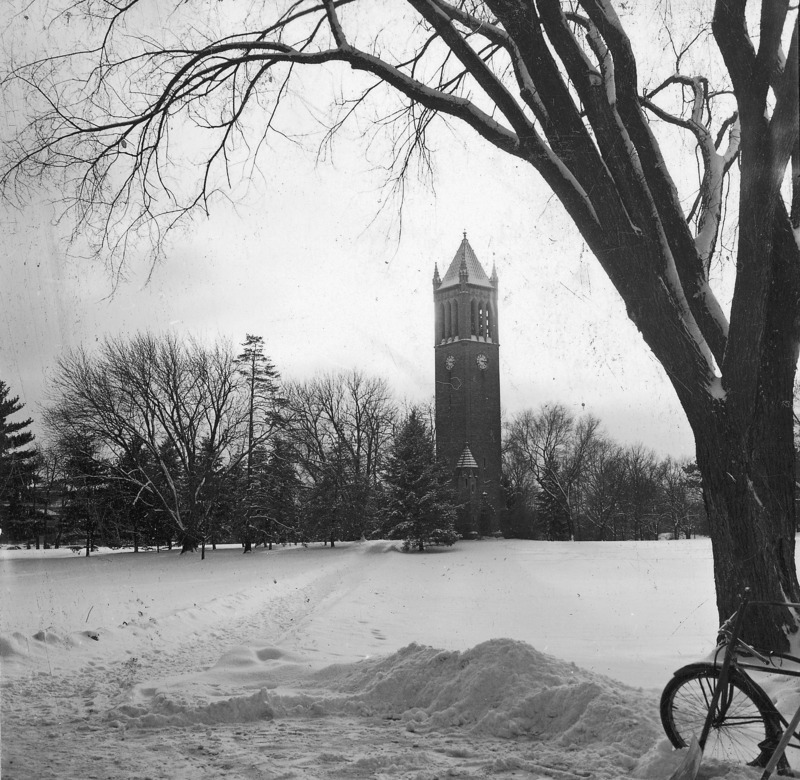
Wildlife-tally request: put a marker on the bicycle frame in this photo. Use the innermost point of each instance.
(734, 646)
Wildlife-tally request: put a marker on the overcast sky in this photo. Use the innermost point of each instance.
(308, 260)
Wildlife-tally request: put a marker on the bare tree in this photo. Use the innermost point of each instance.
(642, 485)
(165, 415)
(603, 487)
(680, 498)
(520, 491)
(340, 426)
(551, 83)
(554, 448)
(47, 466)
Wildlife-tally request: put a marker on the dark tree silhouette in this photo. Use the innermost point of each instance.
(17, 464)
(264, 416)
(421, 504)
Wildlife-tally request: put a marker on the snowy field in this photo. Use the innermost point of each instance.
(492, 659)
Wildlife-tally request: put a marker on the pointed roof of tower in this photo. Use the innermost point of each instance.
(466, 460)
(465, 259)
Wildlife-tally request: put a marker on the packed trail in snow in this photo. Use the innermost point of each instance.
(354, 662)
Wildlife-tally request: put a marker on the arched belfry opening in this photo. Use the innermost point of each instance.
(468, 388)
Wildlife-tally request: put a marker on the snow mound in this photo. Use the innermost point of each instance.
(164, 711)
(13, 646)
(17, 648)
(500, 688)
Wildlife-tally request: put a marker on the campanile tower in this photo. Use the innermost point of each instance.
(468, 388)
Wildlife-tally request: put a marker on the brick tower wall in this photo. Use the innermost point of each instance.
(468, 411)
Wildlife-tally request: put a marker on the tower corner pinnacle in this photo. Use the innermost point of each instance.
(437, 280)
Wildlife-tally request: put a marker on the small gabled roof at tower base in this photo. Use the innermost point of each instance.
(466, 259)
(466, 460)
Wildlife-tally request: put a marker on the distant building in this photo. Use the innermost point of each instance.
(467, 375)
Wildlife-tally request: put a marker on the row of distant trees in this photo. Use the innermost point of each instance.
(566, 479)
(154, 440)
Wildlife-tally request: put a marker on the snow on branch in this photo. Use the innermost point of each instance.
(715, 164)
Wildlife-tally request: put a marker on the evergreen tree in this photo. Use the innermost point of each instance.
(282, 494)
(327, 505)
(265, 408)
(87, 505)
(214, 496)
(17, 465)
(421, 502)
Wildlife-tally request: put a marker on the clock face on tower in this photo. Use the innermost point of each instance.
(482, 361)
(449, 362)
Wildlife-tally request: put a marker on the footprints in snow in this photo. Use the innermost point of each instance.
(376, 632)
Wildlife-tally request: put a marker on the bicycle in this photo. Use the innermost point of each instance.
(734, 717)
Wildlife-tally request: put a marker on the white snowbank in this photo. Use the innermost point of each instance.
(501, 688)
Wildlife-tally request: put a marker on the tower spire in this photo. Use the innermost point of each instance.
(465, 260)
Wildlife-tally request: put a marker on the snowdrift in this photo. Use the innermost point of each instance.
(502, 688)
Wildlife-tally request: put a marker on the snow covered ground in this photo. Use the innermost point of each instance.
(492, 659)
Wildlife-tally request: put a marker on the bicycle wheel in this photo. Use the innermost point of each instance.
(746, 727)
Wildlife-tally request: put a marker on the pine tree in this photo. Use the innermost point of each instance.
(16, 464)
(421, 502)
(264, 407)
(86, 507)
(282, 494)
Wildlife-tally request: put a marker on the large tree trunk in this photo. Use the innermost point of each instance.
(189, 543)
(752, 523)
